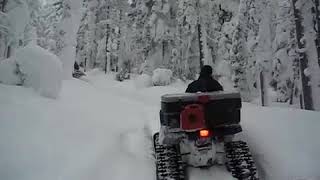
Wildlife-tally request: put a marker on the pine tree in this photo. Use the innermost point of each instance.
(312, 70)
(13, 33)
(82, 44)
(314, 66)
(220, 23)
(316, 20)
(303, 61)
(282, 80)
(30, 34)
(139, 37)
(91, 48)
(239, 52)
(187, 17)
(3, 32)
(67, 29)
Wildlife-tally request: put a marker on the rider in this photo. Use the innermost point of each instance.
(76, 66)
(205, 83)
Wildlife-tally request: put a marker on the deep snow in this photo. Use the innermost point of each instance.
(33, 66)
(42, 70)
(101, 129)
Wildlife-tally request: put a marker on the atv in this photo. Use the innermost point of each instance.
(198, 130)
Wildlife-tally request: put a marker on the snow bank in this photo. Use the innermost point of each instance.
(80, 136)
(8, 72)
(284, 141)
(161, 77)
(143, 81)
(42, 70)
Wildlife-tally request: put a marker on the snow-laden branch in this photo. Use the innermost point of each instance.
(4, 32)
(302, 50)
(5, 17)
(4, 14)
(300, 3)
(4, 27)
(214, 40)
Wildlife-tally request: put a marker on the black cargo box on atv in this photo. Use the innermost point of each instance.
(220, 108)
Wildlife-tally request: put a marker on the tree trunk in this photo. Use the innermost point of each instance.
(303, 60)
(85, 64)
(317, 27)
(106, 64)
(107, 40)
(8, 54)
(200, 46)
(3, 5)
(262, 89)
(107, 51)
(163, 52)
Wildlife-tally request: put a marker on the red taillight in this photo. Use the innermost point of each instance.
(204, 133)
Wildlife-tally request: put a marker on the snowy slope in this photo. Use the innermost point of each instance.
(101, 129)
(285, 141)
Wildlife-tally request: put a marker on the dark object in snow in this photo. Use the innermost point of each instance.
(76, 66)
(198, 130)
(78, 74)
(205, 83)
(122, 75)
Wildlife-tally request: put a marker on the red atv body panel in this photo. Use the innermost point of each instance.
(192, 118)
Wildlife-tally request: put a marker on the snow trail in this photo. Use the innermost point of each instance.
(150, 104)
(84, 132)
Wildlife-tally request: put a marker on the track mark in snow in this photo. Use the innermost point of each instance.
(214, 173)
(261, 164)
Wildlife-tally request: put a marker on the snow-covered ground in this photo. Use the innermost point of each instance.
(101, 129)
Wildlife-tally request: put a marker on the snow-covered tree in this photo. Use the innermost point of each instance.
(91, 48)
(3, 31)
(284, 53)
(303, 57)
(239, 52)
(81, 49)
(251, 44)
(219, 24)
(139, 37)
(187, 18)
(315, 9)
(265, 51)
(316, 21)
(14, 19)
(253, 67)
(68, 28)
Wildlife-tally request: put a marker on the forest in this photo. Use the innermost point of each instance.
(268, 50)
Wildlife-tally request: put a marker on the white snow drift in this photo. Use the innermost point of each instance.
(143, 80)
(161, 77)
(8, 72)
(33, 67)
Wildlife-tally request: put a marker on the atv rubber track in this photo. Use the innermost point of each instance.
(169, 165)
(239, 161)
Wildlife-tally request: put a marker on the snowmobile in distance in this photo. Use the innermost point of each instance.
(198, 130)
(78, 74)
